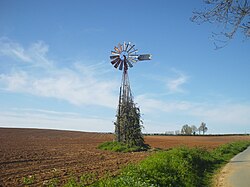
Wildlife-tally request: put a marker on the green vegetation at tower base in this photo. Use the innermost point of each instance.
(121, 147)
(176, 167)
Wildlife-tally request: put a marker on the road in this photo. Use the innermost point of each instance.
(237, 172)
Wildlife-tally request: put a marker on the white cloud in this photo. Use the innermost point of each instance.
(155, 105)
(34, 55)
(172, 82)
(13, 50)
(14, 81)
(38, 54)
(227, 113)
(35, 118)
(220, 115)
(175, 84)
(42, 111)
(79, 84)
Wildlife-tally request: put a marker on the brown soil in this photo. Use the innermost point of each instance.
(48, 154)
(208, 142)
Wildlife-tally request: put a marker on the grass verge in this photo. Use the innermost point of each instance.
(177, 167)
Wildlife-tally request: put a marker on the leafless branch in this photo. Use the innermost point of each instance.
(233, 15)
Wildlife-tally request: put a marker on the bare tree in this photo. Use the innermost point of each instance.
(199, 129)
(194, 129)
(169, 132)
(177, 132)
(233, 15)
(186, 129)
(203, 128)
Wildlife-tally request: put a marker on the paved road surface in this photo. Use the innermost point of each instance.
(239, 170)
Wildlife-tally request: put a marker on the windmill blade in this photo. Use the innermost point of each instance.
(124, 46)
(135, 51)
(133, 55)
(129, 63)
(116, 49)
(127, 46)
(120, 47)
(114, 53)
(114, 61)
(121, 65)
(134, 60)
(113, 57)
(117, 63)
(131, 48)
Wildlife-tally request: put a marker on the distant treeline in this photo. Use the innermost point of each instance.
(164, 134)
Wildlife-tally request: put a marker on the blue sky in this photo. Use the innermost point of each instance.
(55, 70)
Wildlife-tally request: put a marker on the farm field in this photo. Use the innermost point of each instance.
(48, 154)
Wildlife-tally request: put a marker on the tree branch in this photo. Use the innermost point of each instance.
(233, 15)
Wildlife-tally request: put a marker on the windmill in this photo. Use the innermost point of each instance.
(127, 127)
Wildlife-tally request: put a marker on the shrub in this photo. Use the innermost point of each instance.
(121, 147)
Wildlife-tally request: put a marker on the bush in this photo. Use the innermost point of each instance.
(121, 147)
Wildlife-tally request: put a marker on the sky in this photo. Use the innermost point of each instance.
(55, 71)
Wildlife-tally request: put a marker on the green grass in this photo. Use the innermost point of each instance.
(121, 147)
(177, 167)
(51, 183)
(83, 180)
(28, 180)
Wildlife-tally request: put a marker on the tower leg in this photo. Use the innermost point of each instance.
(118, 124)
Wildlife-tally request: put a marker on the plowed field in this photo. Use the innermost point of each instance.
(47, 154)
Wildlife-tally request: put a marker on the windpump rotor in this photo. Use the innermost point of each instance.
(125, 55)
